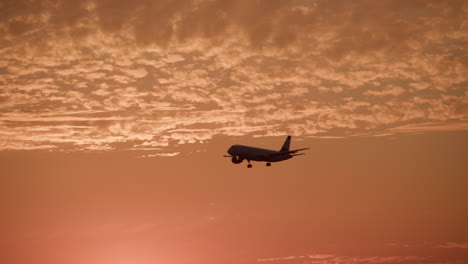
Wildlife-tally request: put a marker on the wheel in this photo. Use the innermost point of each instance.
(268, 164)
(249, 166)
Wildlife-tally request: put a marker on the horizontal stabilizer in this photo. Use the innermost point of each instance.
(299, 154)
(288, 152)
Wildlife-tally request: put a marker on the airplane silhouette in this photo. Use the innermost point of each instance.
(239, 153)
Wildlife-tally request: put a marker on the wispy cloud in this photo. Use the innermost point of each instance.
(171, 154)
(445, 245)
(453, 245)
(424, 127)
(321, 259)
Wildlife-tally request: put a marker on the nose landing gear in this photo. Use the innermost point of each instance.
(268, 164)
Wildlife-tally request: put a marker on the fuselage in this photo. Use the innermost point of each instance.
(257, 154)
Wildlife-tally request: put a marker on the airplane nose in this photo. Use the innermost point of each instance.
(230, 150)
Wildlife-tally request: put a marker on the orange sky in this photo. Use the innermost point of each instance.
(114, 116)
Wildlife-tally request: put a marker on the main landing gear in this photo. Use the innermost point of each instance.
(250, 165)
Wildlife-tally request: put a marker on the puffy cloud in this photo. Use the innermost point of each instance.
(386, 91)
(121, 74)
(382, 26)
(135, 73)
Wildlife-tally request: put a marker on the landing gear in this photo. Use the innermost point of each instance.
(268, 164)
(249, 166)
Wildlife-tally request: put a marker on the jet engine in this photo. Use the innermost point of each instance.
(237, 159)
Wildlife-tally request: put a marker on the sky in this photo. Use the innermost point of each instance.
(115, 116)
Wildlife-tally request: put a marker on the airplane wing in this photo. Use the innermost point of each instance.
(288, 152)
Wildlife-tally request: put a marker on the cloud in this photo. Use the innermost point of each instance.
(445, 245)
(382, 26)
(135, 73)
(168, 154)
(424, 127)
(173, 154)
(121, 74)
(11, 145)
(452, 245)
(330, 89)
(387, 91)
(324, 258)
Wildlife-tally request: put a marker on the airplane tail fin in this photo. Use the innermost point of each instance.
(286, 144)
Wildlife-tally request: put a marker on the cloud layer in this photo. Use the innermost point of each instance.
(101, 75)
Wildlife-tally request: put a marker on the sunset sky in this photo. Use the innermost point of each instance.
(115, 116)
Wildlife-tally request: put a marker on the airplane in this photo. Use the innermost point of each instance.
(239, 153)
